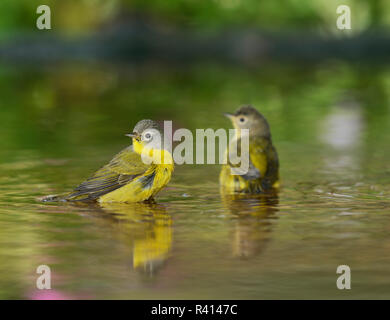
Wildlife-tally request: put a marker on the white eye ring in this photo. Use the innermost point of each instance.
(242, 119)
(148, 136)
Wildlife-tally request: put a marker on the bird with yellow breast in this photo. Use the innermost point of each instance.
(135, 174)
(263, 172)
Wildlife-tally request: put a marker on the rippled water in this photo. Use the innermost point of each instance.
(332, 209)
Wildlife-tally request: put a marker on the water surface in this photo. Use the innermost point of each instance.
(330, 125)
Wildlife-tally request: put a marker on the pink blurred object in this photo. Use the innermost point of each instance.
(49, 295)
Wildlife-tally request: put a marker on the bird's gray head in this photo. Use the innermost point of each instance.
(143, 125)
(148, 132)
(247, 117)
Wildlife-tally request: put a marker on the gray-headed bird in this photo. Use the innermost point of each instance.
(135, 174)
(263, 172)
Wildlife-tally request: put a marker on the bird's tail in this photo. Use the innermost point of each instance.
(53, 198)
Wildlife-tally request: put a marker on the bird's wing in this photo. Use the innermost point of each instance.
(264, 158)
(256, 159)
(123, 168)
(258, 151)
(259, 156)
(272, 174)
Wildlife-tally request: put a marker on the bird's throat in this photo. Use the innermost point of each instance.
(157, 156)
(138, 147)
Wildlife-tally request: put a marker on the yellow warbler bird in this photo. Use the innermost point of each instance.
(135, 174)
(263, 172)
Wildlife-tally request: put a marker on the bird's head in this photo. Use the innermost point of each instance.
(247, 117)
(146, 133)
(148, 141)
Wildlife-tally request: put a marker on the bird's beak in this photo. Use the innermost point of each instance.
(228, 115)
(133, 135)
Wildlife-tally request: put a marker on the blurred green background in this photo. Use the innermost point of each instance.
(68, 96)
(83, 16)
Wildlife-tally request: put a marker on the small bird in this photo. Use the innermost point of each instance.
(263, 171)
(135, 174)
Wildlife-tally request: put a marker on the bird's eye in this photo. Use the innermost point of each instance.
(242, 119)
(147, 136)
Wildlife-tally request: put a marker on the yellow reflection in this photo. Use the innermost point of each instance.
(252, 226)
(150, 229)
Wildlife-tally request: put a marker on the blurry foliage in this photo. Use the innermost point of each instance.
(73, 108)
(65, 107)
(82, 16)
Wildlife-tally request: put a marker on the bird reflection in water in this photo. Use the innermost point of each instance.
(148, 227)
(252, 217)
